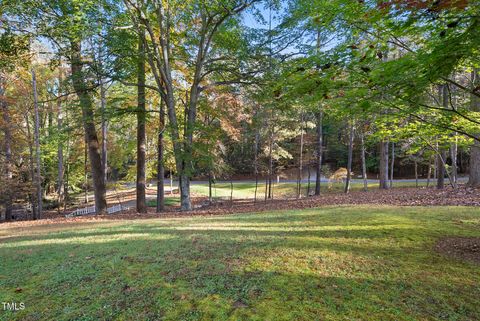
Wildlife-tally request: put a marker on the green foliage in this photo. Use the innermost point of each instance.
(378, 65)
(13, 49)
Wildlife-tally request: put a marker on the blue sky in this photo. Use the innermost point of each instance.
(250, 20)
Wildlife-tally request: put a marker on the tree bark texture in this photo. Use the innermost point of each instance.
(364, 163)
(319, 151)
(86, 104)
(141, 132)
(7, 150)
(350, 157)
(160, 162)
(474, 175)
(383, 166)
(37, 146)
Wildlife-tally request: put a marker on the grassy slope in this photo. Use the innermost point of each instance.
(364, 263)
(247, 190)
(244, 190)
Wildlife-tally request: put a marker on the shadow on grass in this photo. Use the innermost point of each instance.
(199, 269)
(193, 278)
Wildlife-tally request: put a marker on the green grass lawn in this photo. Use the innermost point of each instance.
(244, 190)
(343, 263)
(282, 190)
(169, 201)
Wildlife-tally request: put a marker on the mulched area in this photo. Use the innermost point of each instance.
(462, 196)
(462, 248)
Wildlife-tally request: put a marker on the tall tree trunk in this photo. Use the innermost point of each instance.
(319, 151)
(67, 173)
(160, 162)
(454, 145)
(442, 153)
(210, 187)
(392, 163)
(429, 172)
(182, 156)
(308, 179)
(441, 156)
(8, 150)
(187, 153)
(350, 157)
(461, 162)
(416, 172)
(37, 145)
(31, 195)
(266, 187)
(383, 168)
(180, 153)
(255, 163)
(191, 112)
(270, 164)
(300, 165)
(85, 170)
(50, 122)
(474, 175)
(60, 181)
(141, 134)
(364, 163)
(184, 185)
(181, 147)
(86, 104)
(453, 155)
(103, 107)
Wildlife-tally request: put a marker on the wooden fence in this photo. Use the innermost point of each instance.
(91, 210)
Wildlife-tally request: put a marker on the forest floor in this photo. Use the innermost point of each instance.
(242, 190)
(284, 199)
(398, 196)
(362, 262)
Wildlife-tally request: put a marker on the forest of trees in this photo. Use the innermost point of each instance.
(98, 92)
